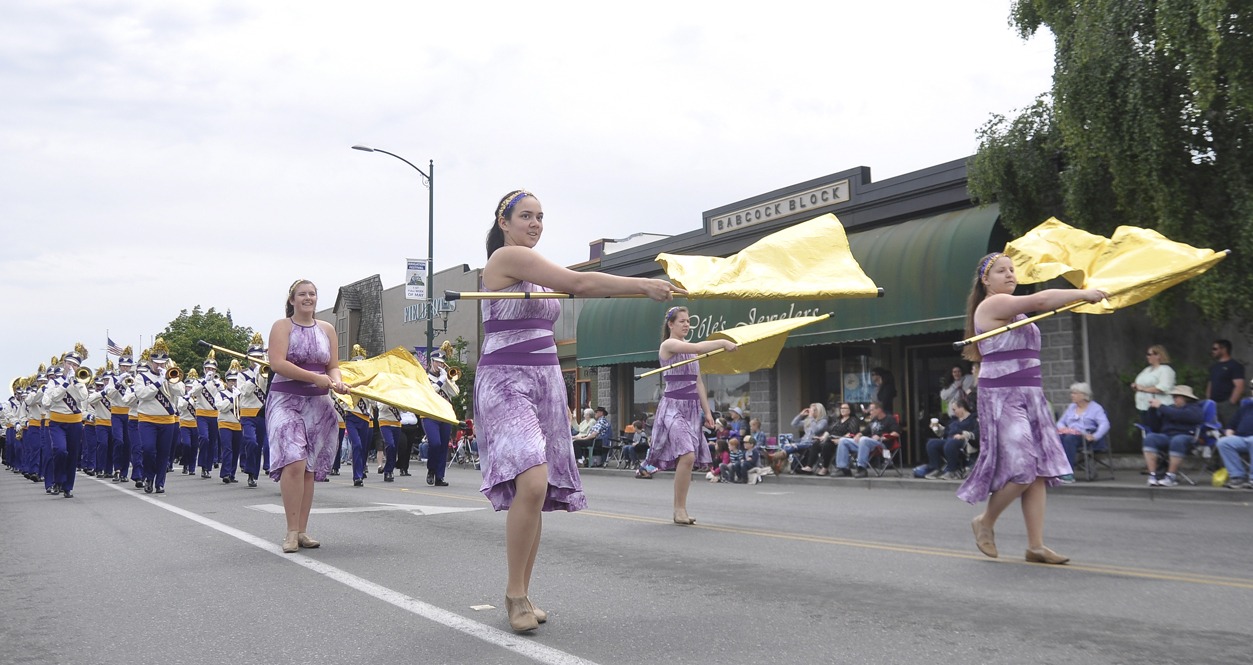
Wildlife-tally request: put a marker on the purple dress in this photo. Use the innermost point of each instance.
(300, 418)
(1018, 437)
(520, 401)
(677, 424)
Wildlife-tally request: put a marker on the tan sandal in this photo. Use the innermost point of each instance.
(291, 543)
(985, 540)
(521, 615)
(306, 542)
(1045, 555)
(540, 615)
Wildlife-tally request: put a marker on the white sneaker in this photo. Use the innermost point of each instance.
(1152, 480)
(1167, 481)
(931, 475)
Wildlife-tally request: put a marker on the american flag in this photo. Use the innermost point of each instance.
(112, 348)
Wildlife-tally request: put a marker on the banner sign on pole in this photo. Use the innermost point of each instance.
(416, 278)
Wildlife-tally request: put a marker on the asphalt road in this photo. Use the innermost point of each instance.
(773, 573)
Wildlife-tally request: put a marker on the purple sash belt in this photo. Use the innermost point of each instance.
(521, 354)
(1025, 378)
(685, 392)
(1012, 354)
(302, 388)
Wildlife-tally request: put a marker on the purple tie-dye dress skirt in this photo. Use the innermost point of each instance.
(677, 423)
(1018, 439)
(520, 403)
(300, 419)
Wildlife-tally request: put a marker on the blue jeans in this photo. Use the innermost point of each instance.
(1230, 448)
(949, 449)
(864, 446)
(1177, 444)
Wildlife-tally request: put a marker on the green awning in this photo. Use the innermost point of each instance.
(923, 265)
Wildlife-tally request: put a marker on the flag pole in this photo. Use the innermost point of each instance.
(551, 295)
(715, 351)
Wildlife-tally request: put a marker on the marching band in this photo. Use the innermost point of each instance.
(137, 421)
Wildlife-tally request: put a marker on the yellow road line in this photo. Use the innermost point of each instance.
(1122, 571)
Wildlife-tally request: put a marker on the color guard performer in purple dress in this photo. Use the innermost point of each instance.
(684, 406)
(1020, 453)
(300, 418)
(525, 448)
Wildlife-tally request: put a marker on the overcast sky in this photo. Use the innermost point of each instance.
(156, 155)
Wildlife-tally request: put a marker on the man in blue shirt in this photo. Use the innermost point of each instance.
(1226, 380)
(1238, 439)
(597, 438)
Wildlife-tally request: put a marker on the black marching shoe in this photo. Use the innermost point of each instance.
(334, 472)
(233, 479)
(226, 481)
(430, 477)
(67, 494)
(160, 490)
(204, 473)
(148, 486)
(387, 478)
(117, 476)
(358, 482)
(252, 480)
(439, 482)
(404, 472)
(139, 484)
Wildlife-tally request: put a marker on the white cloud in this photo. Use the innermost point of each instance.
(155, 155)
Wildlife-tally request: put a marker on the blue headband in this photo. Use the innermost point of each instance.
(510, 201)
(988, 261)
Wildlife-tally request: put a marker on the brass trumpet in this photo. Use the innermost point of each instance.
(83, 375)
(454, 374)
(129, 380)
(173, 374)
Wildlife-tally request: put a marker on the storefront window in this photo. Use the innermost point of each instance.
(725, 391)
(646, 393)
(847, 375)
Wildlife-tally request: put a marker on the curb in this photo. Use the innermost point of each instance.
(1096, 488)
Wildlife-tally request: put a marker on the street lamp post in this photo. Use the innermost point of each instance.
(428, 177)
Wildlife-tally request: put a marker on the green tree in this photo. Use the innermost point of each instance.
(183, 333)
(463, 403)
(1149, 123)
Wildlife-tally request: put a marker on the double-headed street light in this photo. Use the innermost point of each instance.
(428, 179)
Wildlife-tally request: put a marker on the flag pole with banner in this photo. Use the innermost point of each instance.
(1131, 266)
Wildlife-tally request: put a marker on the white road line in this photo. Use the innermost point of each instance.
(500, 638)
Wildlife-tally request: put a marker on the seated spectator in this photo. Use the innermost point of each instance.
(1084, 420)
(871, 439)
(1238, 439)
(735, 458)
(843, 426)
(721, 458)
(635, 444)
(1173, 429)
(752, 458)
(754, 433)
(736, 424)
(962, 431)
(579, 430)
(812, 421)
(595, 440)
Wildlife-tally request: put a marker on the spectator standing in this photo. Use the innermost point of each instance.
(959, 387)
(885, 388)
(1153, 381)
(410, 434)
(1226, 380)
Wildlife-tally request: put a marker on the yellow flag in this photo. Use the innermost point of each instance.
(1131, 266)
(395, 378)
(806, 261)
(758, 345)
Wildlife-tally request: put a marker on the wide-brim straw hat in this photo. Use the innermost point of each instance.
(1185, 391)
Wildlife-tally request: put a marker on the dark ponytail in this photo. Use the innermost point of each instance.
(504, 210)
(978, 292)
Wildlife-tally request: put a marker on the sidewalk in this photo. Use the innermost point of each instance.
(1127, 484)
